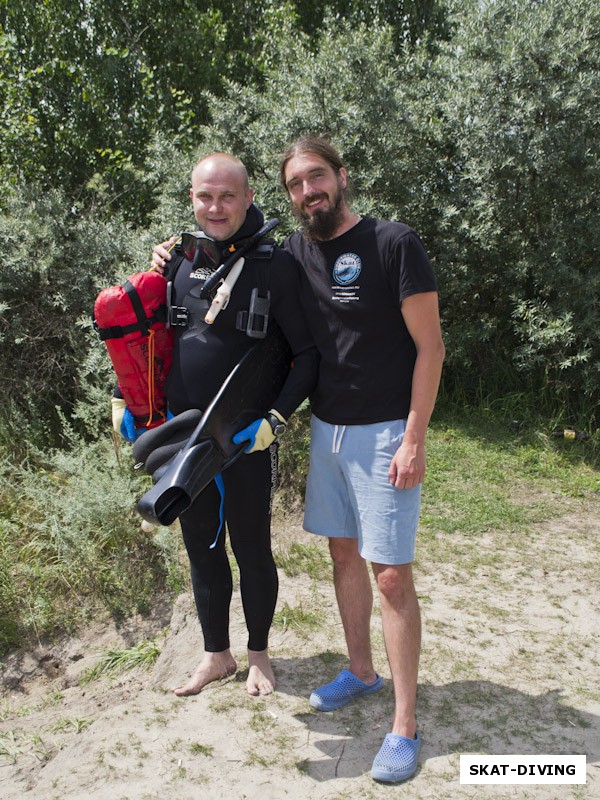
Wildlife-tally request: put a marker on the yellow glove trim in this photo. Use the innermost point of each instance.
(264, 437)
(118, 409)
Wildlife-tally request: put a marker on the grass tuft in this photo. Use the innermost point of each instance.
(116, 661)
(305, 559)
(298, 618)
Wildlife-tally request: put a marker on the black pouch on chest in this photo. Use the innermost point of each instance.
(255, 321)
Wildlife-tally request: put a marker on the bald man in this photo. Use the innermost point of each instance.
(203, 356)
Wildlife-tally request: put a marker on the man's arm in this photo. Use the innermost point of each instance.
(422, 318)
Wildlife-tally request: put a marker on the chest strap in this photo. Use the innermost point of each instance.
(255, 321)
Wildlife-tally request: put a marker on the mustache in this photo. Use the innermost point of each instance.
(312, 198)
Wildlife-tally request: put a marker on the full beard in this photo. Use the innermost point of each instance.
(322, 224)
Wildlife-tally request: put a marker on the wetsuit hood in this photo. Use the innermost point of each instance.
(253, 222)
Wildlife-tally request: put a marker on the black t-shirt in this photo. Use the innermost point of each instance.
(352, 291)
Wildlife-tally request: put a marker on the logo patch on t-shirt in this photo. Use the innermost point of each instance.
(346, 269)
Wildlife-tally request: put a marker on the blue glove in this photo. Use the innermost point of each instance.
(262, 432)
(128, 430)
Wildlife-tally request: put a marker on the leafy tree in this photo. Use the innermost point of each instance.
(409, 20)
(367, 98)
(521, 276)
(88, 84)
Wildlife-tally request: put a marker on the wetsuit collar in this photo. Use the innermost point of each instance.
(253, 222)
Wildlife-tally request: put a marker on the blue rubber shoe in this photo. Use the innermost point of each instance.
(397, 759)
(341, 691)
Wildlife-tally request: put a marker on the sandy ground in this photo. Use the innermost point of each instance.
(510, 664)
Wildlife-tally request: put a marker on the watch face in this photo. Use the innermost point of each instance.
(277, 426)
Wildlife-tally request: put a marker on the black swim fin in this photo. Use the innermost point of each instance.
(247, 394)
(186, 476)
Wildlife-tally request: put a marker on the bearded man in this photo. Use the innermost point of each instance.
(370, 299)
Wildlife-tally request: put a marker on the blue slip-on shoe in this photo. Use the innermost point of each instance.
(342, 690)
(397, 758)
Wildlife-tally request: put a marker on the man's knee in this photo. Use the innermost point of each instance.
(395, 581)
(344, 551)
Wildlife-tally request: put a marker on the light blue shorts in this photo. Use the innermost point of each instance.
(349, 494)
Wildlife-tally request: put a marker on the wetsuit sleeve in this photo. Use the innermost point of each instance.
(287, 312)
(300, 383)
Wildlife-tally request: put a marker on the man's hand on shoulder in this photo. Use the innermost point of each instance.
(161, 255)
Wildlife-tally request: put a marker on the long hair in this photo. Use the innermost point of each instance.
(310, 144)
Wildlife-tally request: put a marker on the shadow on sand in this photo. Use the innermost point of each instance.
(459, 717)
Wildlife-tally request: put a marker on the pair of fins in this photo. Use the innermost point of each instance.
(185, 454)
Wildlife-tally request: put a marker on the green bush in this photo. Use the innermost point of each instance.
(518, 255)
(71, 543)
(55, 259)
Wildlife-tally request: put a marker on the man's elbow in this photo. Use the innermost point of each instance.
(441, 351)
(434, 351)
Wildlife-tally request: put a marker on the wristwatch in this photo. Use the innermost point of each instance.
(277, 426)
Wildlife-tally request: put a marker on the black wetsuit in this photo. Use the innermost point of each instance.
(203, 355)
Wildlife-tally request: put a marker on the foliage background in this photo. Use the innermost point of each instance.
(475, 121)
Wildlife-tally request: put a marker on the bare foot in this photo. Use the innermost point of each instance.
(213, 667)
(261, 679)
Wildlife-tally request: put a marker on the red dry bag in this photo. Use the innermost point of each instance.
(131, 320)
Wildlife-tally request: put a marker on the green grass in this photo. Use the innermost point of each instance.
(10, 748)
(70, 724)
(72, 547)
(196, 748)
(486, 476)
(300, 619)
(116, 661)
(13, 745)
(306, 559)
